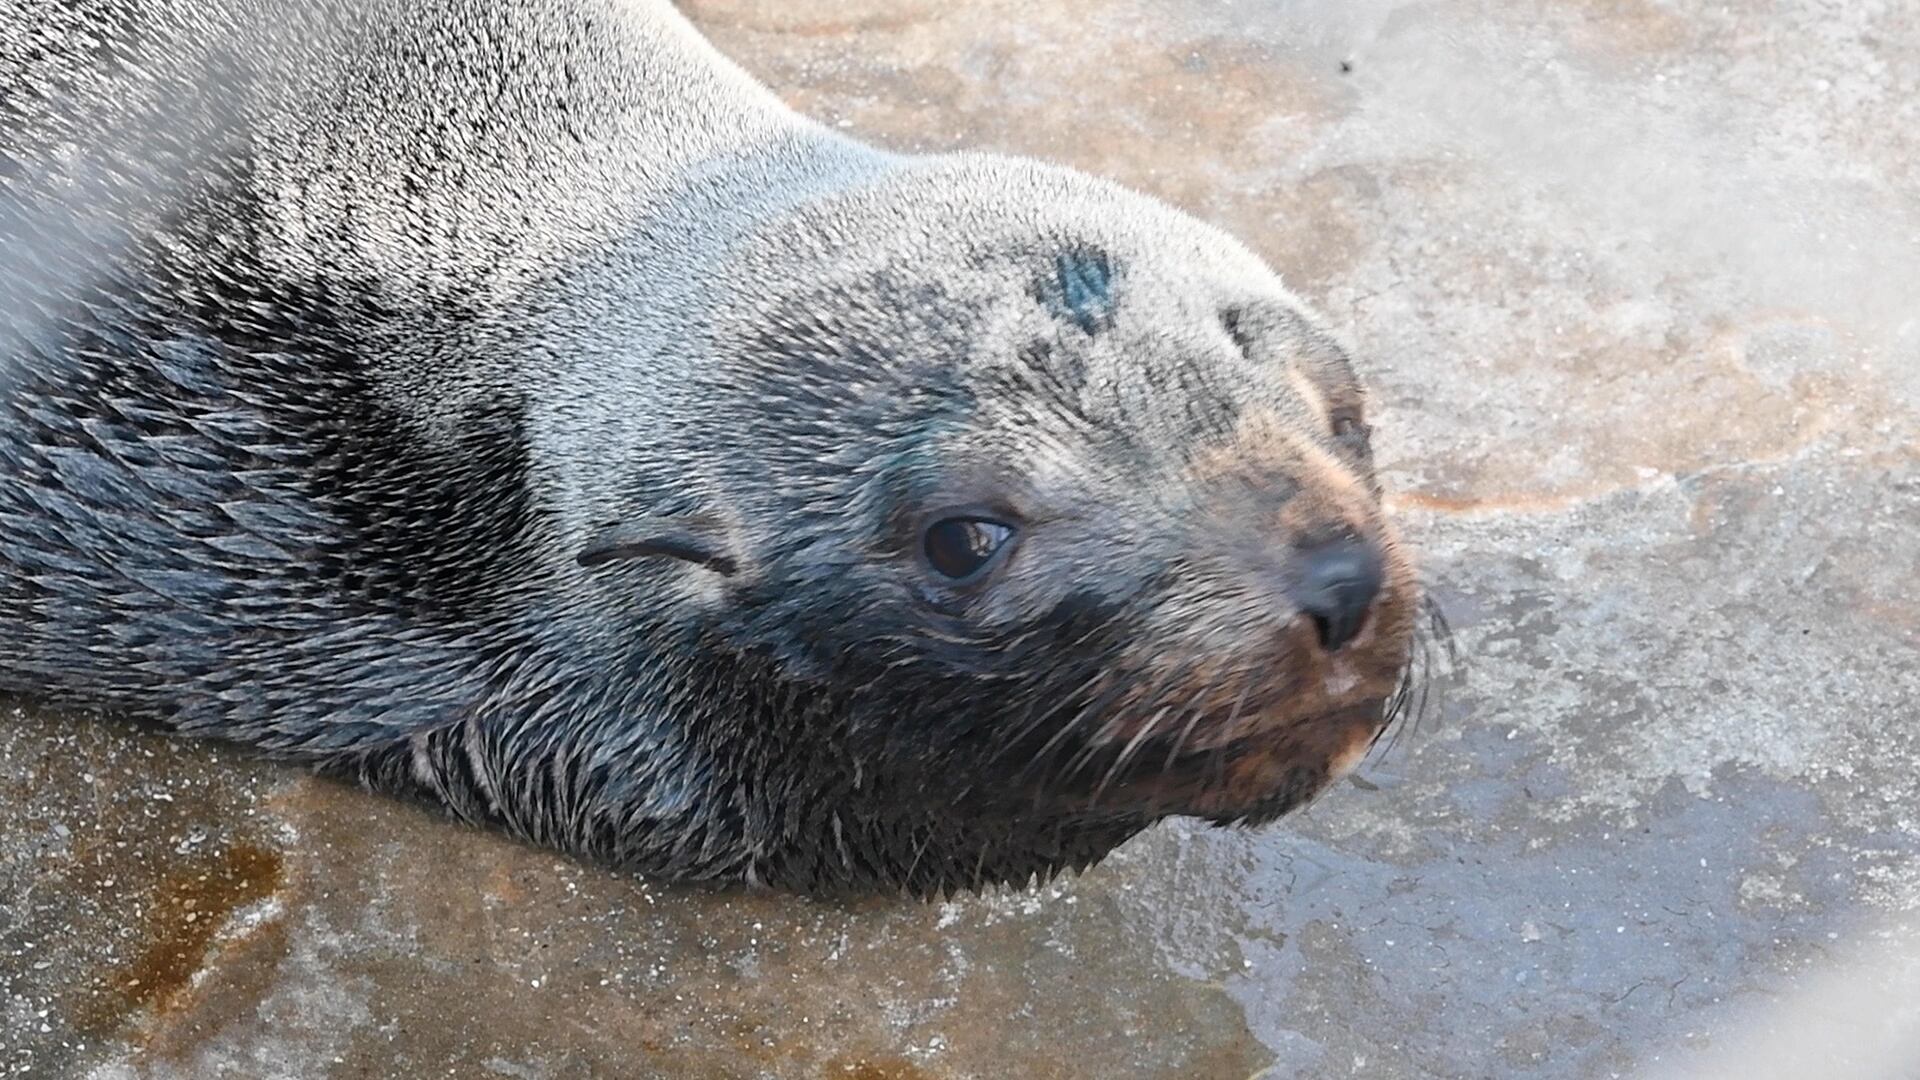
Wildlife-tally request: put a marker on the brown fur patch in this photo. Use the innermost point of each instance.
(1234, 681)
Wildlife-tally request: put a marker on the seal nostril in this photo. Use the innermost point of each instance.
(1337, 585)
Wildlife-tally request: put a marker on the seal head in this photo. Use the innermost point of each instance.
(1049, 508)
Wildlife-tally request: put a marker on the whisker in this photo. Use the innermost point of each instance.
(1081, 759)
(1127, 752)
(1066, 701)
(1086, 712)
(1156, 697)
(1193, 721)
(1422, 688)
(1092, 709)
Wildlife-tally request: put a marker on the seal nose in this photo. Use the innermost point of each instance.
(1336, 587)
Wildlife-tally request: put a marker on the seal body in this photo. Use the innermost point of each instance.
(514, 406)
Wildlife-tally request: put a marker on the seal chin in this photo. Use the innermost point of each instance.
(1250, 780)
(1360, 739)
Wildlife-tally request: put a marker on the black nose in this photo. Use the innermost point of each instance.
(1336, 587)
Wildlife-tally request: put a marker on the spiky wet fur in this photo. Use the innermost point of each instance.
(331, 333)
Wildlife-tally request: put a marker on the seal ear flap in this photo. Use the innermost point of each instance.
(696, 539)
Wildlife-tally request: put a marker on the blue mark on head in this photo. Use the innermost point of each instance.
(1081, 288)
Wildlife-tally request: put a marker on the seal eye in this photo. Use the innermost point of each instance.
(959, 548)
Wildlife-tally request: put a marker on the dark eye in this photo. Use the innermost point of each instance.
(959, 548)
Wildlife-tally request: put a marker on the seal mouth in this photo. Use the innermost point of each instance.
(1264, 763)
(1250, 779)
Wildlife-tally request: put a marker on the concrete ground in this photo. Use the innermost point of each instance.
(1637, 283)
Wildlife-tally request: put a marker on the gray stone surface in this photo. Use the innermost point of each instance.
(1638, 286)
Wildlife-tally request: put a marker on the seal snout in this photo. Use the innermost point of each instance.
(1336, 585)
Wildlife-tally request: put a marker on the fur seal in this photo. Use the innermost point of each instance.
(516, 407)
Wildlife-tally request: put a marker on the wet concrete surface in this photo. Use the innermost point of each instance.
(1635, 284)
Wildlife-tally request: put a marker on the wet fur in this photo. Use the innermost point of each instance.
(336, 340)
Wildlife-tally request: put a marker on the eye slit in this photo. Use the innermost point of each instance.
(959, 548)
(1348, 426)
(1234, 321)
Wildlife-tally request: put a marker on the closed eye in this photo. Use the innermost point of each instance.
(1349, 427)
(1234, 322)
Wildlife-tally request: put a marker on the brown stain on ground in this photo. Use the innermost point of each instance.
(849, 18)
(1226, 109)
(1216, 125)
(569, 970)
(864, 1068)
(1624, 27)
(1702, 408)
(186, 912)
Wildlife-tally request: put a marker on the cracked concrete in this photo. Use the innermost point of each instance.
(1634, 283)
